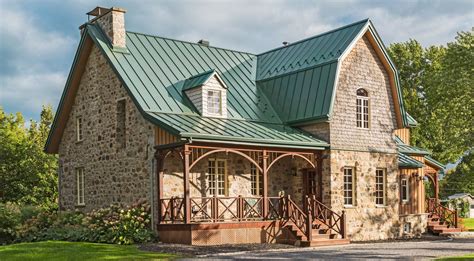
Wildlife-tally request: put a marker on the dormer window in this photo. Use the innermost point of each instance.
(214, 102)
(362, 109)
(208, 93)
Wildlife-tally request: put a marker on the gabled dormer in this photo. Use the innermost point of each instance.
(208, 93)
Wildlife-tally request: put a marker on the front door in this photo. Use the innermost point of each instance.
(310, 183)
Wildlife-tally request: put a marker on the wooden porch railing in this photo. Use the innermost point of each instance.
(450, 217)
(324, 214)
(240, 209)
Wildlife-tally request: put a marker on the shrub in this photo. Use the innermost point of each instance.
(113, 224)
(10, 218)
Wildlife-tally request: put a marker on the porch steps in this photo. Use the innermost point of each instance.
(321, 236)
(437, 227)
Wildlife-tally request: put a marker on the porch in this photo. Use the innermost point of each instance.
(204, 212)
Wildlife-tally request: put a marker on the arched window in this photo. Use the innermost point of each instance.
(362, 113)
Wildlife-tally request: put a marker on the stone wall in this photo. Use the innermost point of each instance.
(112, 174)
(366, 220)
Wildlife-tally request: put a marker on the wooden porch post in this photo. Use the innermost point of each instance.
(320, 175)
(159, 157)
(187, 202)
(436, 186)
(265, 183)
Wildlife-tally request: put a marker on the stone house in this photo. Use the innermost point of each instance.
(307, 143)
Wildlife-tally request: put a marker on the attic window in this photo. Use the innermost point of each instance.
(362, 107)
(214, 102)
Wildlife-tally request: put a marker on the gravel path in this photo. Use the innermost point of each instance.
(408, 250)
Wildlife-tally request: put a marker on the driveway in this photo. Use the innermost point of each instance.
(411, 250)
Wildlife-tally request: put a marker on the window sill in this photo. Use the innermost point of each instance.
(405, 202)
(349, 206)
(79, 141)
(380, 206)
(80, 205)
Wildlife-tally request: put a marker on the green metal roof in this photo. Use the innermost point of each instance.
(434, 162)
(310, 52)
(405, 161)
(218, 129)
(197, 80)
(410, 150)
(155, 69)
(411, 121)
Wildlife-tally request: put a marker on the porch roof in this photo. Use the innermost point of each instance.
(236, 131)
(434, 162)
(405, 161)
(410, 150)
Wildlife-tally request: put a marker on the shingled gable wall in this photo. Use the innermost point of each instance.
(112, 174)
(365, 150)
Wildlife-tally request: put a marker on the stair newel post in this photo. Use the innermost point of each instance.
(240, 208)
(214, 208)
(456, 217)
(309, 220)
(343, 225)
(288, 207)
(172, 214)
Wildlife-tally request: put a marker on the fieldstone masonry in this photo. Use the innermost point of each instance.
(112, 174)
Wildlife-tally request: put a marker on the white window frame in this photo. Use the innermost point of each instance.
(352, 184)
(211, 110)
(256, 180)
(383, 185)
(406, 187)
(79, 129)
(363, 111)
(80, 186)
(217, 181)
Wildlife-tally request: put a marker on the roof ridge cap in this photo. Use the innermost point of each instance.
(189, 42)
(315, 36)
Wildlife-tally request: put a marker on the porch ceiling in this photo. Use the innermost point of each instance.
(237, 131)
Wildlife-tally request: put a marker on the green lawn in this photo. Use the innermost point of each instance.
(468, 223)
(452, 258)
(60, 250)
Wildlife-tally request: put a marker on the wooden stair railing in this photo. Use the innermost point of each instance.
(324, 214)
(450, 217)
(300, 220)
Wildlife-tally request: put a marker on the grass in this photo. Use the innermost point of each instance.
(468, 223)
(60, 250)
(451, 258)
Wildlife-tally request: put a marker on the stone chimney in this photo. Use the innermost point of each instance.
(112, 22)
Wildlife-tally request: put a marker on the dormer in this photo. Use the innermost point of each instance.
(208, 93)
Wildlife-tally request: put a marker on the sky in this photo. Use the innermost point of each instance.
(38, 39)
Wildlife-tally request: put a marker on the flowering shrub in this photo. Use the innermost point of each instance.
(11, 218)
(114, 224)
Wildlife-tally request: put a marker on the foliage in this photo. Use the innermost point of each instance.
(461, 205)
(27, 174)
(114, 225)
(461, 180)
(437, 85)
(11, 217)
(57, 250)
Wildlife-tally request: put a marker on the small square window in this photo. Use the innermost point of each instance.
(214, 102)
(407, 228)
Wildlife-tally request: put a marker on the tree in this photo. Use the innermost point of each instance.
(437, 86)
(461, 180)
(27, 174)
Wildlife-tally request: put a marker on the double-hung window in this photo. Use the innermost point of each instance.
(362, 107)
(79, 133)
(214, 102)
(404, 189)
(217, 177)
(256, 180)
(380, 184)
(349, 186)
(80, 186)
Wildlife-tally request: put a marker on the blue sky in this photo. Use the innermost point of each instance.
(38, 38)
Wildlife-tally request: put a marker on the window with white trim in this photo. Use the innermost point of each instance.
(79, 131)
(362, 109)
(349, 186)
(380, 184)
(404, 189)
(214, 102)
(80, 186)
(217, 177)
(256, 180)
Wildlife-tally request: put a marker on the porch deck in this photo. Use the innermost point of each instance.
(230, 220)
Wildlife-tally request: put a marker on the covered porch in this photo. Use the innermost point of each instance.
(235, 193)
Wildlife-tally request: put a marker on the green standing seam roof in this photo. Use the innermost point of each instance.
(197, 127)
(410, 150)
(434, 162)
(197, 80)
(411, 121)
(405, 161)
